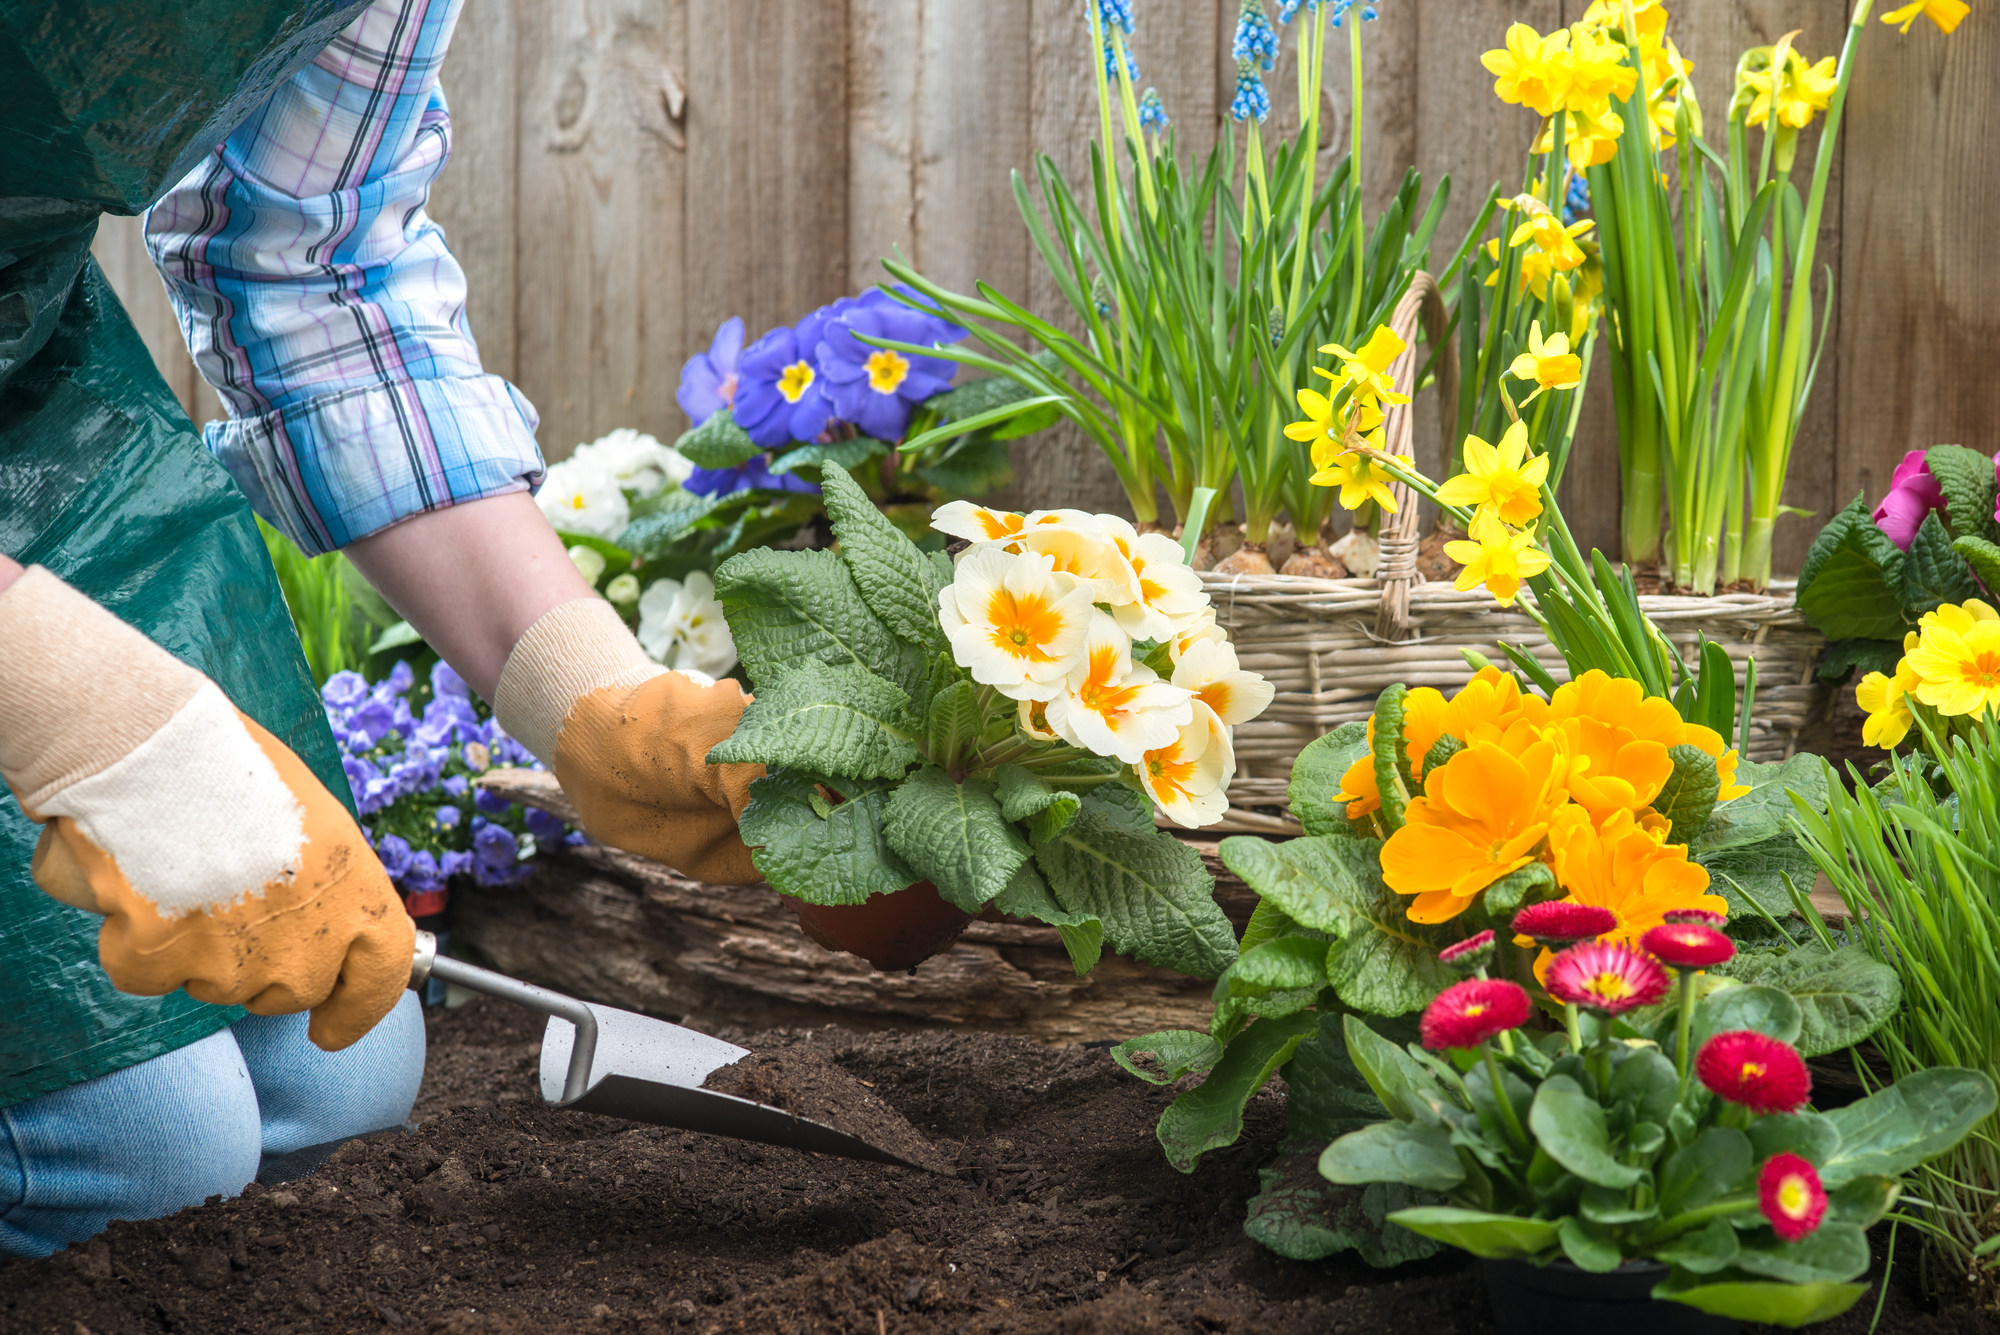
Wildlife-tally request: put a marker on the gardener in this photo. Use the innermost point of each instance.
(172, 773)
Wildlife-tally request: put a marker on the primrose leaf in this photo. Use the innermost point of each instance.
(1150, 890)
(976, 465)
(836, 859)
(952, 720)
(1845, 656)
(718, 443)
(1690, 792)
(1983, 557)
(1569, 1125)
(1933, 572)
(1496, 1237)
(1024, 797)
(1531, 884)
(1765, 811)
(899, 581)
(790, 608)
(1852, 583)
(1966, 479)
(1301, 1216)
(1759, 872)
(1029, 896)
(1392, 756)
(849, 454)
(953, 835)
(1415, 1154)
(1327, 1096)
(1163, 1058)
(1211, 1115)
(1316, 778)
(1290, 963)
(1917, 1118)
(1843, 995)
(842, 721)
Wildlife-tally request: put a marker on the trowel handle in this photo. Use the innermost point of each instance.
(426, 963)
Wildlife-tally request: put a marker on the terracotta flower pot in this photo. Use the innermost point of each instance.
(892, 932)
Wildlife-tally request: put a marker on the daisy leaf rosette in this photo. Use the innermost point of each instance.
(1008, 725)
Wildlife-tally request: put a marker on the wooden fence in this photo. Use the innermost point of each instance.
(629, 173)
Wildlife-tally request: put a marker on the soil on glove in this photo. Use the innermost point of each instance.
(804, 1086)
(499, 1216)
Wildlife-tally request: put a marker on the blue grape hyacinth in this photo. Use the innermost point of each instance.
(1153, 112)
(1255, 38)
(1252, 99)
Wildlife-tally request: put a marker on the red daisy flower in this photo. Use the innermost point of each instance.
(1466, 1014)
(1606, 976)
(1687, 945)
(1470, 954)
(1559, 923)
(1706, 917)
(1788, 1189)
(1755, 1070)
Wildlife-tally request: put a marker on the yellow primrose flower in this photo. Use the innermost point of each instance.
(1957, 617)
(1959, 668)
(1947, 14)
(1597, 73)
(1497, 558)
(1532, 70)
(1801, 90)
(1886, 702)
(1550, 364)
(1359, 478)
(1501, 480)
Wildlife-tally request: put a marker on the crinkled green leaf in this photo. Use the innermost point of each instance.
(1766, 810)
(1326, 1094)
(1150, 890)
(954, 836)
(1569, 1125)
(1392, 756)
(1933, 572)
(1845, 656)
(1531, 884)
(974, 466)
(1688, 797)
(1301, 1216)
(1415, 1154)
(1029, 896)
(837, 858)
(1025, 797)
(1966, 479)
(1917, 1118)
(952, 721)
(1211, 1115)
(858, 452)
(1496, 1237)
(1165, 1057)
(1984, 558)
(649, 536)
(789, 608)
(1852, 583)
(828, 720)
(718, 443)
(1316, 778)
(1843, 995)
(1267, 922)
(900, 582)
(1763, 872)
(1289, 963)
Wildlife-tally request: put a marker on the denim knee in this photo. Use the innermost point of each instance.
(308, 1097)
(136, 1144)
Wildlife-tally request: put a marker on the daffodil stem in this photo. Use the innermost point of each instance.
(1516, 1136)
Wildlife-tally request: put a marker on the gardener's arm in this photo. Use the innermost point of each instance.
(322, 303)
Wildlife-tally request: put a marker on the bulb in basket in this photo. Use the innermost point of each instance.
(997, 731)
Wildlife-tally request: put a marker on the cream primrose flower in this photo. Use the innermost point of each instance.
(974, 523)
(582, 496)
(1170, 594)
(1032, 715)
(1089, 556)
(1209, 669)
(639, 461)
(1114, 707)
(1188, 776)
(1200, 630)
(682, 626)
(1014, 623)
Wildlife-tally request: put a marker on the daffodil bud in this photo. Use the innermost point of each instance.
(1562, 305)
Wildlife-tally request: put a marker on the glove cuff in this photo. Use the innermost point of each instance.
(79, 689)
(573, 649)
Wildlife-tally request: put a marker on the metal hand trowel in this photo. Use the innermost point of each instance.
(601, 1060)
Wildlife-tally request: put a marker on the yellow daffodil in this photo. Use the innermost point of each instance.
(1359, 478)
(1947, 14)
(1329, 434)
(1597, 73)
(1959, 668)
(1886, 700)
(1501, 480)
(1800, 90)
(1368, 369)
(1546, 230)
(1649, 15)
(1497, 558)
(1531, 70)
(1590, 140)
(1549, 363)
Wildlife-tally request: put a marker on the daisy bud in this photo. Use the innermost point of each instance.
(1754, 1070)
(1705, 917)
(1559, 923)
(1790, 1194)
(1688, 945)
(1608, 977)
(1470, 955)
(1466, 1014)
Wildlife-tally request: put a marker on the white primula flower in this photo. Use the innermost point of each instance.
(682, 626)
(639, 461)
(1200, 629)
(1091, 556)
(1014, 623)
(583, 497)
(1168, 596)
(963, 519)
(1189, 776)
(1115, 708)
(1209, 669)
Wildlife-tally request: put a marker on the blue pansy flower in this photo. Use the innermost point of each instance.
(1255, 38)
(779, 397)
(878, 389)
(709, 379)
(547, 829)
(756, 473)
(447, 817)
(395, 853)
(1252, 101)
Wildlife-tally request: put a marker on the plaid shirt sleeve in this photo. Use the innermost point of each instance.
(321, 301)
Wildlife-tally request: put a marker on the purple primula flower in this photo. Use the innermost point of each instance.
(394, 850)
(491, 802)
(780, 395)
(1913, 494)
(757, 473)
(447, 816)
(546, 828)
(456, 785)
(878, 389)
(446, 681)
(708, 381)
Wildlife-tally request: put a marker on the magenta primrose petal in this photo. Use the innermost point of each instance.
(1913, 494)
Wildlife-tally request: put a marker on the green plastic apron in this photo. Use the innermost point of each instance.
(102, 477)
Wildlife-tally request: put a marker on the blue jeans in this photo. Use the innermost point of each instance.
(146, 1141)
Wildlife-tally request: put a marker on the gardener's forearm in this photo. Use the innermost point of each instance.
(472, 578)
(9, 571)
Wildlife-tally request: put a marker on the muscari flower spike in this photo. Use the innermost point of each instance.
(1255, 38)
(1111, 60)
(1153, 112)
(1115, 14)
(1576, 202)
(1252, 99)
(1340, 8)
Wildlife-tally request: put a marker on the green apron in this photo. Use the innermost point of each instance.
(102, 477)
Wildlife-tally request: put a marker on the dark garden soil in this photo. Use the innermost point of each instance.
(499, 1217)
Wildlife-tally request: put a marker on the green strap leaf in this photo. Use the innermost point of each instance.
(953, 835)
(828, 720)
(1211, 1116)
(718, 443)
(898, 581)
(835, 856)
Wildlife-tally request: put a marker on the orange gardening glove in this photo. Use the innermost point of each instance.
(220, 864)
(628, 740)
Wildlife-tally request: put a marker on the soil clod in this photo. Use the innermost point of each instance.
(807, 1087)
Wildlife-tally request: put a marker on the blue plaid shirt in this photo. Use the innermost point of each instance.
(321, 301)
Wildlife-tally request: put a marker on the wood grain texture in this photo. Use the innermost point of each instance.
(1919, 292)
(476, 199)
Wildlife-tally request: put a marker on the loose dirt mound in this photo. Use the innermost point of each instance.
(500, 1217)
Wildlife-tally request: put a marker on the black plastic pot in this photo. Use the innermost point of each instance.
(1561, 1299)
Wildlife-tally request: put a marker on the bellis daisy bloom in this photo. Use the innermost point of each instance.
(1557, 923)
(1114, 707)
(1500, 480)
(1790, 1195)
(1687, 945)
(1468, 1013)
(1706, 917)
(1471, 954)
(1014, 623)
(1606, 976)
(1754, 1070)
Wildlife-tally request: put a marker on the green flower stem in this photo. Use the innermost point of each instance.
(1573, 1025)
(1516, 1136)
(1685, 1027)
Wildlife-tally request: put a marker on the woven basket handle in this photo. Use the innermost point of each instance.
(1397, 568)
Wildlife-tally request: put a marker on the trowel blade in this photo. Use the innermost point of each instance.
(647, 1070)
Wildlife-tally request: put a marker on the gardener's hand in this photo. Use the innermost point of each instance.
(220, 864)
(629, 740)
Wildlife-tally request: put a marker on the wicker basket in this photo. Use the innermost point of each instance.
(1331, 646)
